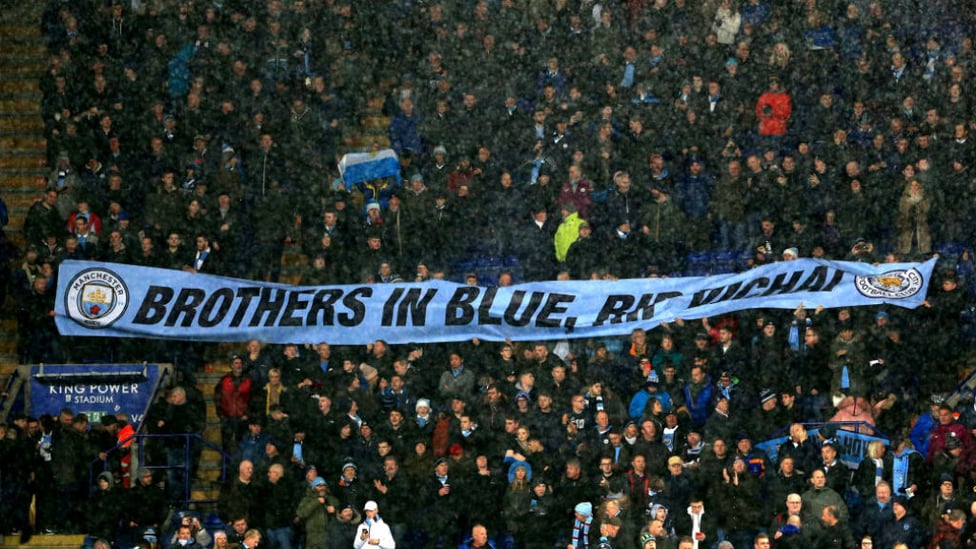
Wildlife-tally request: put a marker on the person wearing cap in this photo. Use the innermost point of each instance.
(942, 501)
(534, 243)
(441, 502)
(344, 530)
(145, 505)
(906, 529)
(315, 511)
(585, 254)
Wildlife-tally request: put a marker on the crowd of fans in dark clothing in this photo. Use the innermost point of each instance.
(574, 139)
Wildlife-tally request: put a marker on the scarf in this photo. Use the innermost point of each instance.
(581, 533)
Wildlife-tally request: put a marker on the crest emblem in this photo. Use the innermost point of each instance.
(899, 284)
(96, 298)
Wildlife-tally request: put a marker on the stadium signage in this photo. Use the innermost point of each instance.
(116, 300)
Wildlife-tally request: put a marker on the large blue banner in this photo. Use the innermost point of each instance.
(102, 299)
(95, 390)
(852, 446)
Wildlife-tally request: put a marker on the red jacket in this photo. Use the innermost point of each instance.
(232, 396)
(773, 111)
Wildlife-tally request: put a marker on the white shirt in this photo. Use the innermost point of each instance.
(378, 531)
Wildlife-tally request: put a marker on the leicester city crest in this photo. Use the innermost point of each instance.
(96, 298)
(897, 284)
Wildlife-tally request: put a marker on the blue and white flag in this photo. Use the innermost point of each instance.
(114, 300)
(359, 167)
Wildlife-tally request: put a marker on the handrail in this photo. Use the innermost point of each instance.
(165, 371)
(187, 465)
(9, 392)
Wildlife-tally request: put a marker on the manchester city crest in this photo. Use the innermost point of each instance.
(897, 284)
(96, 298)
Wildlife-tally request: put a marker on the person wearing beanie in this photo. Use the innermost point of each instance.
(103, 509)
(316, 511)
(351, 490)
(581, 526)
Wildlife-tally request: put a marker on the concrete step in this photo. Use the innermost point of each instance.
(21, 161)
(52, 542)
(20, 105)
(372, 122)
(22, 122)
(20, 86)
(20, 67)
(11, 30)
(23, 143)
(28, 47)
(360, 142)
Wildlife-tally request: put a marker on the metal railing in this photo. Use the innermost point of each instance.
(8, 394)
(187, 466)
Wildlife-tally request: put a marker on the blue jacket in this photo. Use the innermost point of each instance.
(702, 406)
(640, 400)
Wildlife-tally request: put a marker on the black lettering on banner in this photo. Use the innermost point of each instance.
(484, 310)
(555, 305)
(390, 306)
(323, 308)
(781, 286)
(186, 305)
(664, 296)
(245, 294)
(224, 297)
(153, 308)
(295, 303)
(838, 276)
(644, 308)
(755, 283)
(614, 309)
(357, 309)
(459, 311)
(415, 306)
(513, 307)
(705, 297)
(268, 306)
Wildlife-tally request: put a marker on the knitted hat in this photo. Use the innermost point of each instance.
(585, 508)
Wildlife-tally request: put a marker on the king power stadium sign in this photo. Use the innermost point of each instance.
(115, 300)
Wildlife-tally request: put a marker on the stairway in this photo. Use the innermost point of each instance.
(23, 58)
(44, 542)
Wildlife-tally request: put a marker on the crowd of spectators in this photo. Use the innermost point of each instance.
(584, 139)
